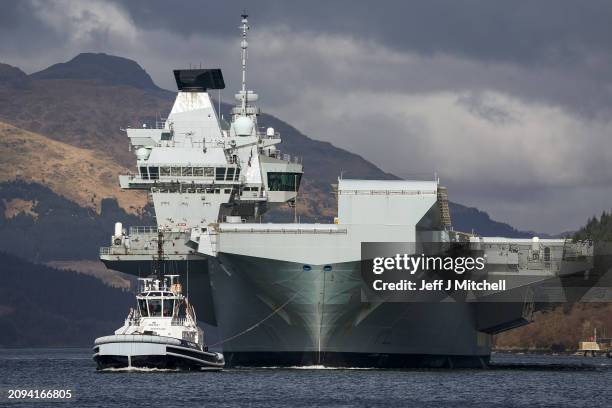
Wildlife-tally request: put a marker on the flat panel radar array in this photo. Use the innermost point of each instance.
(198, 80)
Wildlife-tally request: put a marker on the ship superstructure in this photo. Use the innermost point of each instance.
(201, 169)
(290, 294)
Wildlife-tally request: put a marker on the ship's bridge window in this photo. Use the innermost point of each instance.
(164, 171)
(155, 307)
(546, 254)
(154, 173)
(142, 305)
(230, 174)
(187, 171)
(209, 171)
(166, 136)
(220, 173)
(284, 181)
(237, 173)
(198, 171)
(144, 173)
(175, 171)
(168, 307)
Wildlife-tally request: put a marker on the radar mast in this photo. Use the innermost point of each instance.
(244, 45)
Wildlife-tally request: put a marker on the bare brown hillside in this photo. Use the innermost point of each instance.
(78, 174)
(83, 113)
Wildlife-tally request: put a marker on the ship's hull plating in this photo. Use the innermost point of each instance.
(282, 314)
(143, 351)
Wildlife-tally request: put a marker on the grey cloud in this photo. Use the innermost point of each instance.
(571, 41)
(477, 104)
(521, 30)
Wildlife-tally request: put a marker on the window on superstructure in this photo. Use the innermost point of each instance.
(175, 171)
(154, 173)
(209, 171)
(198, 171)
(546, 254)
(164, 171)
(230, 174)
(142, 306)
(227, 191)
(155, 307)
(168, 307)
(144, 173)
(220, 173)
(284, 181)
(237, 173)
(187, 171)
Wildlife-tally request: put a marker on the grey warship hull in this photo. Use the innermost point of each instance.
(317, 317)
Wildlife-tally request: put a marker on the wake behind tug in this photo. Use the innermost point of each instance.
(160, 333)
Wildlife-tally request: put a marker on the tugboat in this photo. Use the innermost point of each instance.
(161, 333)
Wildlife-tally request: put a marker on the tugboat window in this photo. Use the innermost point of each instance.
(209, 171)
(142, 305)
(168, 306)
(155, 307)
(284, 181)
(144, 173)
(176, 171)
(164, 171)
(154, 173)
(198, 171)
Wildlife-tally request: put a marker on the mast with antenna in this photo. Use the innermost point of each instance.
(157, 266)
(244, 45)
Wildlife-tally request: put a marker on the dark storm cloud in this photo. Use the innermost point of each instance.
(569, 43)
(21, 31)
(521, 31)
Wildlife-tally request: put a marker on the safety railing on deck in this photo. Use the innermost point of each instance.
(143, 229)
(247, 230)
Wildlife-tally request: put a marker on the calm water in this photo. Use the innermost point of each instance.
(517, 381)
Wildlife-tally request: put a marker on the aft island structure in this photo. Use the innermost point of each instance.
(291, 293)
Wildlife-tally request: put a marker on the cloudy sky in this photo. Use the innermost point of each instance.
(509, 102)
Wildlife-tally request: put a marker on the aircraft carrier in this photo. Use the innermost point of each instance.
(291, 294)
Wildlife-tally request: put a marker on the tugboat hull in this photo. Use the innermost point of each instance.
(146, 351)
